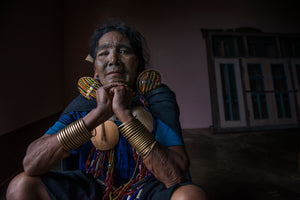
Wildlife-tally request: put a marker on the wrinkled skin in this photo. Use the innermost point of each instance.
(116, 66)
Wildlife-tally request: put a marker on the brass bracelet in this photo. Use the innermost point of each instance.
(73, 135)
(138, 136)
(149, 149)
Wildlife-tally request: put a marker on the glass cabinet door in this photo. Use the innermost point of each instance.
(269, 92)
(295, 67)
(229, 93)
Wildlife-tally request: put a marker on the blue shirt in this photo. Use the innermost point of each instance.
(125, 162)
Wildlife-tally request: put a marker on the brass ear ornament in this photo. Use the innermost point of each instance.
(144, 116)
(106, 136)
(87, 86)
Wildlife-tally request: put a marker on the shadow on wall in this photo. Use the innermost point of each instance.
(13, 147)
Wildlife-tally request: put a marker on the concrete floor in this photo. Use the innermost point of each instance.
(245, 166)
(256, 166)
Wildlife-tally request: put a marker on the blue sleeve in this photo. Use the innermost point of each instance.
(83, 151)
(165, 135)
(65, 120)
(55, 128)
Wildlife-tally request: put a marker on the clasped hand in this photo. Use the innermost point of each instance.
(114, 98)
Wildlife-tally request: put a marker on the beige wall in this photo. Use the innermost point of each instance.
(177, 48)
(44, 43)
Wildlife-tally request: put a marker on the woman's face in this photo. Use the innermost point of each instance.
(115, 60)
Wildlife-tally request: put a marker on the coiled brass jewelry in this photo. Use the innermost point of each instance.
(73, 135)
(138, 136)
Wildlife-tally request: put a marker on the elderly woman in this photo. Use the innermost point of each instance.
(120, 151)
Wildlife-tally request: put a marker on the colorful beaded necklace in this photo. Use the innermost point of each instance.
(101, 165)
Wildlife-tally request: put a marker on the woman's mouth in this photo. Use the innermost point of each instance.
(114, 76)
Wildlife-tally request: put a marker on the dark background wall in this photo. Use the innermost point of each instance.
(32, 62)
(44, 43)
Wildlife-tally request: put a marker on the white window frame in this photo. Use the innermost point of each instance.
(234, 123)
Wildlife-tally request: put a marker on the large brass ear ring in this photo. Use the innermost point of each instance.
(87, 86)
(147, 81)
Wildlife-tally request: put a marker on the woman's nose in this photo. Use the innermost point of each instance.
(114, 58)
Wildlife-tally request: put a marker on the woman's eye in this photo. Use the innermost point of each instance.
(123, 51)
(103, 53)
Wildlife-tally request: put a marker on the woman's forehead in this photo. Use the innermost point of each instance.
(112, 39)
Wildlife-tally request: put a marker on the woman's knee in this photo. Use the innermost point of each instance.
(188, 192)
(25, 187)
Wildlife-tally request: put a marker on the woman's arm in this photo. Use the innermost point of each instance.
(43, 153)
(169, 165)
